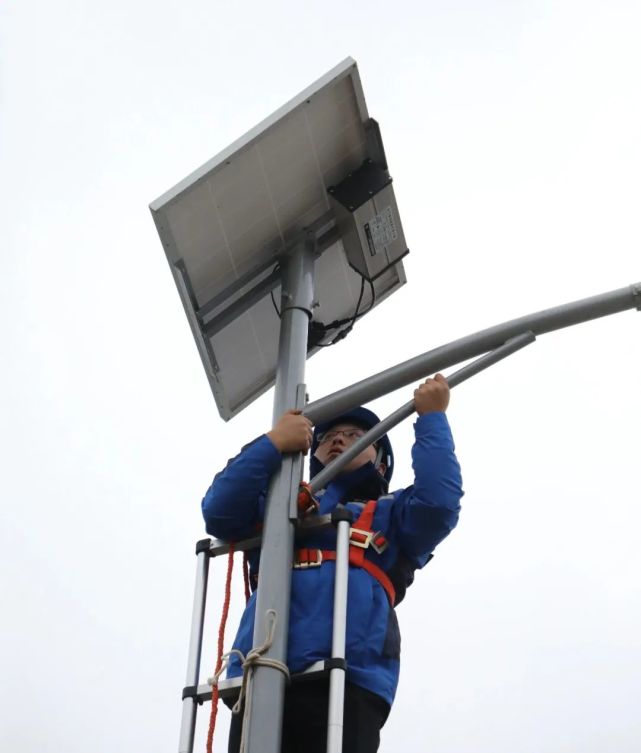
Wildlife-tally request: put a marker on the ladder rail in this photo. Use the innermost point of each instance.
(190, 702)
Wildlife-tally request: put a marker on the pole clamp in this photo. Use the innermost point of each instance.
(636, 294)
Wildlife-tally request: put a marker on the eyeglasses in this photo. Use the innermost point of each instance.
(350, 435)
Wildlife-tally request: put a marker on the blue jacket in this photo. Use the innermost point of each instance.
(413, 520)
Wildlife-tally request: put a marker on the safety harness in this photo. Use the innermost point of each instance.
(361, 538)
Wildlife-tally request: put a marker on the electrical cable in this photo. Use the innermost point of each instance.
(322, 329)
(318, 330)
(271, 293)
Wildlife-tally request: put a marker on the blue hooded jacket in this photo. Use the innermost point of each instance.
(413, 520)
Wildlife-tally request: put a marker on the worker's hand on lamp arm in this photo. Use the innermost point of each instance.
(433, 395)
(293, 432)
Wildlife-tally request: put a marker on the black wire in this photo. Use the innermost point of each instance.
(371, 303)
(338, 322)
(358, 305)
(351, 321)
(271, 292)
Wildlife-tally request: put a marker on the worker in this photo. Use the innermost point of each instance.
(405, 526)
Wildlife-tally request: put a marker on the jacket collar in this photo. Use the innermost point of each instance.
(363, 483)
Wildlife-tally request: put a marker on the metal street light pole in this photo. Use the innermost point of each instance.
(262, 728)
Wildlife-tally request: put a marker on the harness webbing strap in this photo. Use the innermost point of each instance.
(370, 567)
(366, 518)
(361, 537)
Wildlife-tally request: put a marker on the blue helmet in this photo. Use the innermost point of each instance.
(364, 418)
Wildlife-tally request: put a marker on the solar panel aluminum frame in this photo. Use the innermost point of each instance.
(238, 299)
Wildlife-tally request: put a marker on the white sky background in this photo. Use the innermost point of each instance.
(512, 131)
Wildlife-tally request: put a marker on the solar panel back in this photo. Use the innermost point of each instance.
(225, 225)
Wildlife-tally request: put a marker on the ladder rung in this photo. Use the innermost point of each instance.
(306, 526)
(229, 689)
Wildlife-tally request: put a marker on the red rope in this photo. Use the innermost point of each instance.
(221, 640)
(246, 577)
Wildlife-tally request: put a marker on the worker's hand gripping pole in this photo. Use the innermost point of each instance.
(342, 518)
(322, 478)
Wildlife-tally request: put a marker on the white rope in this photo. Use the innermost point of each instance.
(253, 659)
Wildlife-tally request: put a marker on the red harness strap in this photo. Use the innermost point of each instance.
(361, 537)
(371, 568)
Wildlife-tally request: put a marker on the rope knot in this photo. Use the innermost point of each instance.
(248, 663)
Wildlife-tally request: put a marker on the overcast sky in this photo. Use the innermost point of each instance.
(512, 131)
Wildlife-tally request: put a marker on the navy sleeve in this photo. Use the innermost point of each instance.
(232, 507)
(425, 513)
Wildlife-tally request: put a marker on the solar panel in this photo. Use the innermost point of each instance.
(224, 227)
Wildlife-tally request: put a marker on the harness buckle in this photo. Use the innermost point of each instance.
(302, 564)
(359, 537)
(379, 543)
